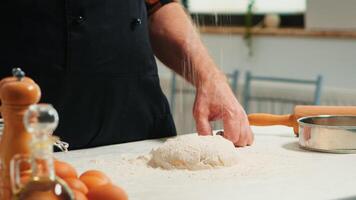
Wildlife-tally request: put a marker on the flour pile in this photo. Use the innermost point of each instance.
(194, 152)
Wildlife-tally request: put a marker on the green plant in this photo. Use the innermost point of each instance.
(248, 26)
(185, 3)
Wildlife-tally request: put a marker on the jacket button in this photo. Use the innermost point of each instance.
(79, 19)
(136, 22)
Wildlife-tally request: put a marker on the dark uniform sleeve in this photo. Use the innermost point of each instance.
(154, 5)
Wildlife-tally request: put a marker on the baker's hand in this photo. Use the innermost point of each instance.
(214, 100)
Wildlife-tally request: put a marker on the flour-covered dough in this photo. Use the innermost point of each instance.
(194, 152)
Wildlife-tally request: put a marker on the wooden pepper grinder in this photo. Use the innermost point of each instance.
(17, 93)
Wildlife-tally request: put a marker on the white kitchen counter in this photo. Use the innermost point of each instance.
(273, 168)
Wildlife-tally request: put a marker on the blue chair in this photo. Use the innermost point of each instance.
(232, 77)
(247, 97)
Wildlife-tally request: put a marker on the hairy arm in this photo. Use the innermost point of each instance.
(177, 44)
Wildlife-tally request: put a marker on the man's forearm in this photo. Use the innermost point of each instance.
(177, 44)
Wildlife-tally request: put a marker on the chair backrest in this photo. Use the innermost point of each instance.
(248, 97)
(232, 78)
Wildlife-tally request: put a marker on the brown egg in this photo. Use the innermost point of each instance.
(26, 173)
(25, 176)
(93, 181)
(79, 195)
(25, 179)
(94, 178)
(64, 170)
(76, 184)
(96, 173)
(107, 192)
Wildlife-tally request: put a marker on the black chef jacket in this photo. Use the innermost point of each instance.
(93, 61)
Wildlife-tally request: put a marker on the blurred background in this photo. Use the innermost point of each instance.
(276, 54)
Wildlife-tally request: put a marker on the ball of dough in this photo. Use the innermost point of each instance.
(194, 152)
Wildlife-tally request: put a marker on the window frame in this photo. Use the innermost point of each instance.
(287, 20)
(290, 20)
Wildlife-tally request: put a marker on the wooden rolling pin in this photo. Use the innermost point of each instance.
(263, 119)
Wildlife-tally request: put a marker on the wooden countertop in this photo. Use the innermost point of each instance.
(285, 32)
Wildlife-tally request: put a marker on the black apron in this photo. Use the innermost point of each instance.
(94, 62)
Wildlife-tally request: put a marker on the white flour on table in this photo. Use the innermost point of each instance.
(274, 165)
(133, 168)
(255, 163)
